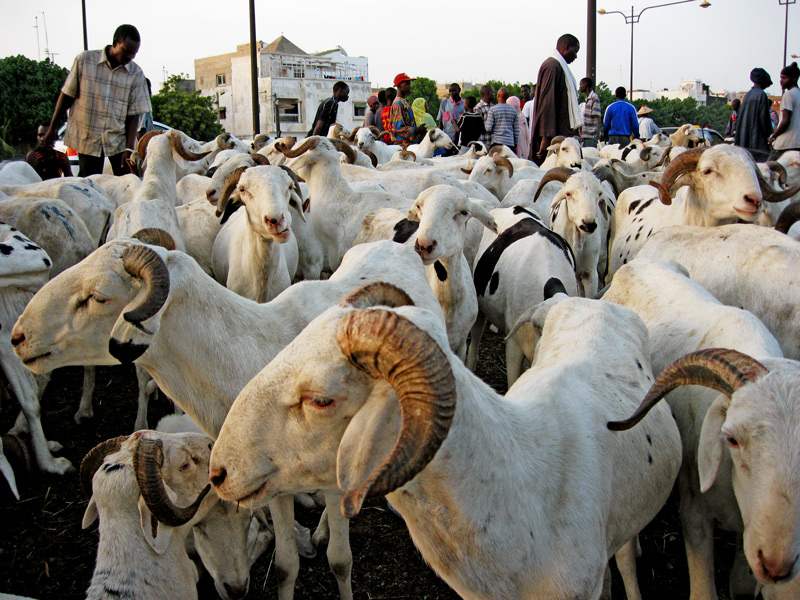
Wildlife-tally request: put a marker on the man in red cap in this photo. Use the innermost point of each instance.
(401, 117)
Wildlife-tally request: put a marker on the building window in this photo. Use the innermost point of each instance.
(289, 110)
(223, 113)
(221, 79)
(359, 110)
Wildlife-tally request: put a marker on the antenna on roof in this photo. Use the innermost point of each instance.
(47, 52)
(36, 27)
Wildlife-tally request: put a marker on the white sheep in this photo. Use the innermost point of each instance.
(565, 152)
(201, 342)
(368, 138)
(682, 317)
(433, 140)
(498, 175)
(18, 172)
(450, 454)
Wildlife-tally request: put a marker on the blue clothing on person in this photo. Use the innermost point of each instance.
(621, 119)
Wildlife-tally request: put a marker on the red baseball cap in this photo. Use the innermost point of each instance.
(400, 78)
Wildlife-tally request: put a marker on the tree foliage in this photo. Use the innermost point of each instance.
(193, 114)
(28, 93)
(422, 87)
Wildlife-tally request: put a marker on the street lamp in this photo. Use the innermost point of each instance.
(786, 3)
(633, 18)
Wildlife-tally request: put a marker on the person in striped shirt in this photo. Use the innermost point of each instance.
(503, 122)
(591, 114)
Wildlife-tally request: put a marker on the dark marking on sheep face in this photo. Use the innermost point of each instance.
(553, 287)
(211, 171)
(639, 365)
(111, 467)
(6, 249)
(650, 459)
(231, 208)
(494, 282)
(649, 439)
(518, 231)
(126, 352)
(441, 272)
(645, 205)
(46, 261)
(403, 230)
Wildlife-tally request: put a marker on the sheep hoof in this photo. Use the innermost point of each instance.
(54, 446)
(82, 416)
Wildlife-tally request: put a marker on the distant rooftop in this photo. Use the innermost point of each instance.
(282, 45)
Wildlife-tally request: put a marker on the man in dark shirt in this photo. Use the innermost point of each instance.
(754, 126)
(326, 112)
(48, 162)
(551, 115)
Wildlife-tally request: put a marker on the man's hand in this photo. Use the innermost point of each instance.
(50, 137)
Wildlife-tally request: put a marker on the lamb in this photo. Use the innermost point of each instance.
(255, 253)
(160, 310)
(368, 138)
(741, 266)
(454, 475)
(497, 174)
(720, 185)
(434, 139)
(682, 317)
(565, 152)
(512, 271)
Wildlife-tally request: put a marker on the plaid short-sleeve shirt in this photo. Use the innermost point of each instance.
(104, 98)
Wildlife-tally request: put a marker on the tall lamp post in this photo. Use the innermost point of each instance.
(633, 18)
(786, 3)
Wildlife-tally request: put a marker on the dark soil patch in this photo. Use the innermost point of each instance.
(45, 554)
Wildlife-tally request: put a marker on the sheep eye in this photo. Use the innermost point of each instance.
(732, 441)
(317, 402)
(707, 171)
(98, 299)
(464, 212)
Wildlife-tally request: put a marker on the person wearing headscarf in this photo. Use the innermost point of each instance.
(647, 127)
(421, 115)
(373, 109)
(787, 134)
(754, 126)
(524, 144)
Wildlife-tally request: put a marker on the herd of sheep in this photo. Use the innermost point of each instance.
(314, 309)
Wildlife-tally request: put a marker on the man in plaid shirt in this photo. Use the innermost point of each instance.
(105, 92)
(591, 114)
(482, 108)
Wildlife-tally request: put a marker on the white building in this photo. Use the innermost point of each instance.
(291, 84)
(689, 88)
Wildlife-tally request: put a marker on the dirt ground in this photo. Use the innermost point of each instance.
(45, 554)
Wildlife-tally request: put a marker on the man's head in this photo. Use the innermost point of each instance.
(789, 75)
(586, 85)
(382, 97)
(125, 44)
(760, 78)
(455, 92)
(403, 84)
(487, 94)
(736, 103)
(620, 93)
(568, 47)
(469, 103)
(502, 95)
(372, 103)
(341, 91)
(43, 127)
(526, 92)
(391, 94)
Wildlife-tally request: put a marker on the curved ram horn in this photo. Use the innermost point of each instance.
(645, 153)
(501, 161)
(352, 137)
(495, 150)
(94, 458)
(176, 138)
(292, 152)
(769, 193)
(387, 346)
(295, 180)
(373, 159)
(375, 131)
(774, 165)
(346, 148)
(407, 154)
(259, 159)
(716, 368)
(231, 181)
(147, 461)
(788, 217)
(224, 141)
(555, 174)
(144, 263)
(665, 156)
(467, 171)
(377, 293)
(259, 142)
(155, 237)
(141, 147)
(557, 140)
(606, 173)
(685, 163)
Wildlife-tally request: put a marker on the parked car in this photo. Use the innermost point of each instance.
(73, 155)
(712, 137)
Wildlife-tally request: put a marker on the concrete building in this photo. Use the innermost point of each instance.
(688, 88)
(291, 84)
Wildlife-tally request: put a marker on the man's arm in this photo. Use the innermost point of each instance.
(62, 106)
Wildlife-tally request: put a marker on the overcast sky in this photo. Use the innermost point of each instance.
(448, 41)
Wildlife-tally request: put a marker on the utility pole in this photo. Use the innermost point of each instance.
(85, 35)
(47, 52)
(254, 70)
(36, 27)
(591, 40)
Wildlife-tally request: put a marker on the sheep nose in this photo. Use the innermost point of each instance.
(588, 227)
(218, 476)
(234, 592)
(17, 339)
(209, 194)
(756, 202)
(777, 570)
(420, 249)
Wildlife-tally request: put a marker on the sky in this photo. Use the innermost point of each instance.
(444, 41)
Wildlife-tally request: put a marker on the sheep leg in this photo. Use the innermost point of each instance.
(8, 472)
(85, 408)
(340, 557)
(476, 334)
(287, 561)
(698, 536)
(322, 532)
(626, 563)
(514, 358)
(24, 387)
(142, 378)
(742, 582)
(606, 593)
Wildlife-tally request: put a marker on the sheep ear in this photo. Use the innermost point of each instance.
(369, 438)
(296, 202)
(603, 208)
(156, 534)
(414, 212)
(709, 451)
(90, 515)
(478, 211)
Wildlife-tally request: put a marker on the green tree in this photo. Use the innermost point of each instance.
(28, 93)
(193, 114)
(422, 87)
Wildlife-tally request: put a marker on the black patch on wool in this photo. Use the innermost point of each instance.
(403, 230)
